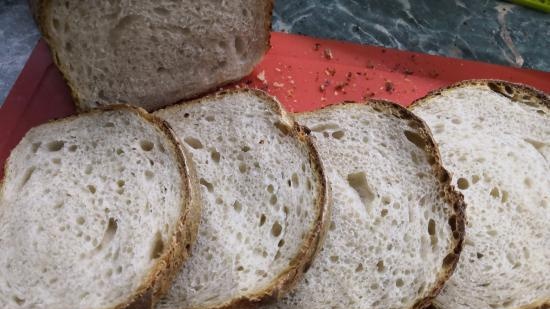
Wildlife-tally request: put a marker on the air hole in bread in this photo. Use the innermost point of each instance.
(35, 147)
(193, 142)
(209, 118)
(109, 125)
(208, 185)
(324, 127)
(146, 145)
(239, 45)
(431, 227)
(374, 286)
(237, 206)
(270, 188)
(415, 138)
(295, 180)
(384, 212)
(119, 151)
(276, 229)
(273, 199)
(540, 111)
(281, 243)
(18, 301)
(215, 155)
(73, 148)
(91, 188)
(462, 183)
(399, 283)
(161, 11)
(334, 258)
(358, 181)
(528, 182)
(58, 205)
(55, 145)
(245, 148)
(338, 134)
(475, 179)
(456, 121)
(120, 183)
(285, 130)
(386, 200)
(219, 200)
(494, 192)
(158, 246)
(108, 236)
(332, 226)
(242, 168)
(492, 233)
(359, 268)
(505, 197)
(27, 175)
(508, 89)
(80, 220)
(55, 24)
(380, 266)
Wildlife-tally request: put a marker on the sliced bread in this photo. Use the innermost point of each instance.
(397, 225)
(265, 200)
(494, 138)
(96, 211)
(152, 53)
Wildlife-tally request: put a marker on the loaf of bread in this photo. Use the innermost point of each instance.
(152, 53)
(96, 211)
(265, 200)
(397, 224)
(494, 138)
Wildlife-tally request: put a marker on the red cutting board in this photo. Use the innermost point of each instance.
(304, 73)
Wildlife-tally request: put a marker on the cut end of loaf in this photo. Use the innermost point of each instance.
(151, 54)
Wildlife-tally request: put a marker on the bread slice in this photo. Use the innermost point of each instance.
(96, 211)
(265, 200)
(397, 225)
(494, 138)
(153, 53)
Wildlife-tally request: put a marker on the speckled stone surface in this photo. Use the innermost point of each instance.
(18, 36)
(484, 30)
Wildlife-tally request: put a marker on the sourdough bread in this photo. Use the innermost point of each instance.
(397, 224)
(265, 200)
(96, 211)
(494, 138)
(152, 53)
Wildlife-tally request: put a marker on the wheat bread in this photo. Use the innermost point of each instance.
(266, 200)
(397, 224)
(96, 211)
(152, 53)
(494, 138)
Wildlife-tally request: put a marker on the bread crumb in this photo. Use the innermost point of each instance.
(278, 85)
(388, 86)
(328, 54)
(316, 46)
(261, 77)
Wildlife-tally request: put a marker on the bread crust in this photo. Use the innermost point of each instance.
(170, 261)
(313, 242)
(516, 92)
(41, 8)
(452, 196)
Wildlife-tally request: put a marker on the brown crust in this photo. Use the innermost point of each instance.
(453, 197)
(516, 92)
(170, 261)
(40, 9)
(313, 242)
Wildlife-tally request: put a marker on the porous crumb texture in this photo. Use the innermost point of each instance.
(88, 206)
(153, 53)
(261, 193)
(495, 140)
(389, 234)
